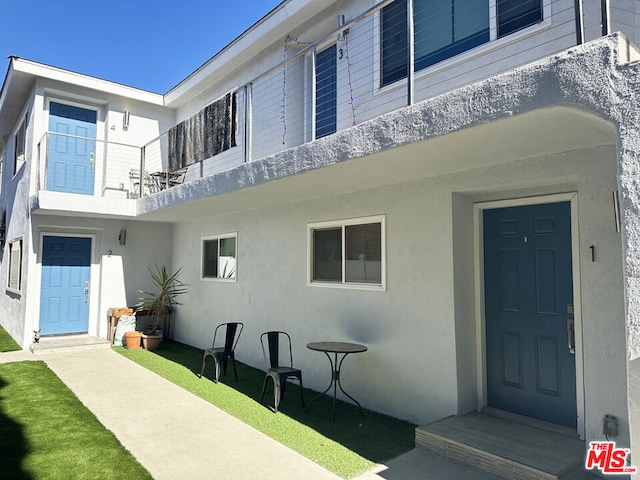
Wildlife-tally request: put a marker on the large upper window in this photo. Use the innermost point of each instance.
(15, 265)
(445, 28)
(348, 252)
(19, 144)
(219, 258)
(326, 91)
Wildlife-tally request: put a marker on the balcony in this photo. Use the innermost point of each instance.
(322, 82)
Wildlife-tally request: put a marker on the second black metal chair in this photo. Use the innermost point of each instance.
(221, 353)
(277, 372)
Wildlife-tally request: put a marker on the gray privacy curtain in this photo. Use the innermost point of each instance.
(204, 135)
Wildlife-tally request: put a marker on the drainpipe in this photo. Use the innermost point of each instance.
(141, 180)
(604, 17)
(410, 49)
(579, 22)
(247, 122)
(313, 92)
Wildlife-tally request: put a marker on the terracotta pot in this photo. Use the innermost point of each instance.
(132, 339)
(151, 341)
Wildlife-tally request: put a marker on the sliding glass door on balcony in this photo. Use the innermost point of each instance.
(71, 149)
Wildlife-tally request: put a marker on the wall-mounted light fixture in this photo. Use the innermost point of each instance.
(122, 238)
(125, 120)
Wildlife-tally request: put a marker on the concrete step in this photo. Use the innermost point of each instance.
(505, 448)
(67, 343)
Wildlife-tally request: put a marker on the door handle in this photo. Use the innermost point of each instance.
(570, 335)
(91, 162)
(86, 295)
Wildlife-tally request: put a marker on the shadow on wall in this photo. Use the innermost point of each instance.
(360, 329)
(13, 444)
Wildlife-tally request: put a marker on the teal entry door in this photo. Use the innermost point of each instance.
(528, 308)
(71, 149)
(64, 291)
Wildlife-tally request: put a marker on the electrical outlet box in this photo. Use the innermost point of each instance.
(610, 426)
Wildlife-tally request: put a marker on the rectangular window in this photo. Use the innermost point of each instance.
(446, 28)
(15, 265)
(514, 15)
(219, 258)
(19, 147)
(394, 42)
(326, 92)
(348, 252)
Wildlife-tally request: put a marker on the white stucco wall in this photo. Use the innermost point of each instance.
(147, 244)
(421, 331)
(15, 192)
(423, 207)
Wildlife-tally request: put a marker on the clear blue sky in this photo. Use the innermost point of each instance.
(151, 45)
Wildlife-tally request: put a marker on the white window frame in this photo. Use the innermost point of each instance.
(209, 238)
(20, 159)
(311, 227)
(15, 248)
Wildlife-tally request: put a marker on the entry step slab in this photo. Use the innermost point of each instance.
(504, 448)
(67, 343)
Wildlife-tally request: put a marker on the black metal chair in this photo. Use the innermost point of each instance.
(279, 374)
(222, 353)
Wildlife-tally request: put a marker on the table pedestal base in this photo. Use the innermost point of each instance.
(335, 383)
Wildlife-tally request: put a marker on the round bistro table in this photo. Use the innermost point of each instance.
(337, 348)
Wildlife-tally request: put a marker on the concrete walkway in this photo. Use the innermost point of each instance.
(193, 439)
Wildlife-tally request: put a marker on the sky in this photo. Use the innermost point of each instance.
(148, 44)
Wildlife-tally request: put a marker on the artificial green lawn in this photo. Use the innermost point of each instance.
(351, 446)
(7, 344)
(47, 433)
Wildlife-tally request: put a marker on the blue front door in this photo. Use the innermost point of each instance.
(64, 292)
(528, 303)
(72, 148)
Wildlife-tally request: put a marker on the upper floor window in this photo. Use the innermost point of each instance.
(219, 258)
(445, 28)
(514, 15)
(326, 92)
(348, 252)
(15, 266)
(19, 144)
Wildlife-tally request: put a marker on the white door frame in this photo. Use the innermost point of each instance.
(481, 364)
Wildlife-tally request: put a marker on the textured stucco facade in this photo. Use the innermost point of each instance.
(564, 128)
(564, 124)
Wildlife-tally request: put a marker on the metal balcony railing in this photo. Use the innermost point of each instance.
(387, 57)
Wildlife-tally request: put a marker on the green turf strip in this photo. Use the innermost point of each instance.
(7, 344)
(47, 433)
(351, 446)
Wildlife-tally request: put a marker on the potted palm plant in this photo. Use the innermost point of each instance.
(159, 304)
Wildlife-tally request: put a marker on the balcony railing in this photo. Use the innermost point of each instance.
(385, 58)
(73, 164)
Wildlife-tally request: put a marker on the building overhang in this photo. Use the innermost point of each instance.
(81, 206)
(324, 168)
(22, 75)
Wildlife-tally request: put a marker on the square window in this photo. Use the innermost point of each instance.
(15, 265)
(350, 252)
(219, 259)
